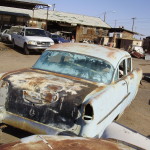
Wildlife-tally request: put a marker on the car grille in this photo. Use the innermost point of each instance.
(43, 43)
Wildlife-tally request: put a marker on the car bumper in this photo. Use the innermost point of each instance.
(5, 38)
(35, 47)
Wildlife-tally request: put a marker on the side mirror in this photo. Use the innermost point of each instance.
(22, 33)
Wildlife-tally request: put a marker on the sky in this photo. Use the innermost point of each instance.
(118, 12)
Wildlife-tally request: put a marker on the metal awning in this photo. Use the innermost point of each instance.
(122, 29)
(26, 4)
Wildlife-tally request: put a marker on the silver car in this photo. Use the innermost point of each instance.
(6, 36)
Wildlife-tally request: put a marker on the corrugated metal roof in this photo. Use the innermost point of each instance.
(13, 13)
(28, 1)
(123, 29)
(24, 4)
(61, 17)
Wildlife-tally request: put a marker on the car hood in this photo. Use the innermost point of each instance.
(39, 38)
(50, 94)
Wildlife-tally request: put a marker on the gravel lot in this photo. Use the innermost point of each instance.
(136, 116)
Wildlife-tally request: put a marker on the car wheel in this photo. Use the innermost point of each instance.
(2, 39)
(14, 45)
(26, 50)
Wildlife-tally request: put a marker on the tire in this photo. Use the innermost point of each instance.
(14, 45)
(26, 50)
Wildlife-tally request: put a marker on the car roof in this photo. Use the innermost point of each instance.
(109, 54)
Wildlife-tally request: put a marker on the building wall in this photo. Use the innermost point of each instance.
(137, 42)
(13, 20)
(146, 44)
(126, 34)
(37, 23)
(126, 43)
(90, 33)
(80, 32)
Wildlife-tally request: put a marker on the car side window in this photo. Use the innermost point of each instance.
(22, 33)
(121, 70)
(129, 65)
(5, 31)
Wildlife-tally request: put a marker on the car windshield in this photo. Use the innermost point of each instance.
(35, 32)
(77, 65)
(55, 36)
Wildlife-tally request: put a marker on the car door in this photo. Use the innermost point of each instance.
(17, 39)
(22, 39)
(117, 93)
(122, 84)
(106, 104)
(133, 78)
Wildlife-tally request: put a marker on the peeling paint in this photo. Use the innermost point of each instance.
(38, 142)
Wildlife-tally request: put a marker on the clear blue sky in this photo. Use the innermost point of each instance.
(124, 11)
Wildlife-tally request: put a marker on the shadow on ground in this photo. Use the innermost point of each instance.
(20, 50)
(14, 131)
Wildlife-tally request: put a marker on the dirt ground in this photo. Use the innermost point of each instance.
(136, 116)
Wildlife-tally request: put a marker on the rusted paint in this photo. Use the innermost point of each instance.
(99, 88)
(111, 55)
(30, 125)
(137, 55)
(131, 76)
(48, 97)
(65, 143)
(36, 81)
(62, 75)
(11, 72)
(44, 97)
(3, 84)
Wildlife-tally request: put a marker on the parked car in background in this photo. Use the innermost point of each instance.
(7, 33)
(5, 36)
(137, 51)
(57, 38)
(31, 39)
(73, 87)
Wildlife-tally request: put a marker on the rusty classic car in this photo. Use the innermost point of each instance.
(73, 88)
(48, 142)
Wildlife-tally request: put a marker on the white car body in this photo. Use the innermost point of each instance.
(73, 87)
(36, 42)
(5, 36)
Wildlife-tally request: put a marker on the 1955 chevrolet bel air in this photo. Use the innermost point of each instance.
(73, 88)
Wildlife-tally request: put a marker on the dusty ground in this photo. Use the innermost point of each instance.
(136, 116)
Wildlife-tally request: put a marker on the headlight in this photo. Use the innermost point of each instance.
(51, 43)
(32, 42)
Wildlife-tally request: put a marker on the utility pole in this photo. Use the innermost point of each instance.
(54, 7)
(104, 16)
(115, 23)
(133, 23)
